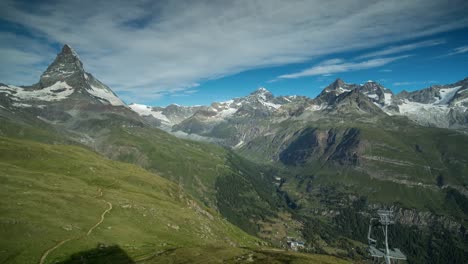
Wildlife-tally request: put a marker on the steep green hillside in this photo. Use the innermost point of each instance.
(387, 165)
(57, 200)
(206, 171)
(194, 166)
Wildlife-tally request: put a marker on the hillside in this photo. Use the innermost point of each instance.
(60, 193)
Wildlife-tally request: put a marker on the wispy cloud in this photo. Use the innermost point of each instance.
(155, 47)
(414, 83)
(184, 93)
(402, 48)
(326, 68)
(459, 50)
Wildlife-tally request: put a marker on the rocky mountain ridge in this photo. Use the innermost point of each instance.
(442, 106)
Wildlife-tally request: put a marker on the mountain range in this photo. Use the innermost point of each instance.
(443, 106)
(81, 168)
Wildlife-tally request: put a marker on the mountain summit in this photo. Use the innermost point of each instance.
(64, 82)
(261, 91)
(65, 93)
(66, 64)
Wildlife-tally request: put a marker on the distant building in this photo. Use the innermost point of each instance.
(294, 244)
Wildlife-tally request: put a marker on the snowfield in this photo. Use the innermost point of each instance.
(144, 110)
(446, 95)
(106, 94)
(56, 92)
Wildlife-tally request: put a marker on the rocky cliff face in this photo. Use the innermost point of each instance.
(425, 219)
(422, 219)
(337, 145)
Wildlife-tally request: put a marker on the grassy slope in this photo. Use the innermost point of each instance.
(199, 169)
(51, 193)
(194, 166)
(240, 255)
(204, 170)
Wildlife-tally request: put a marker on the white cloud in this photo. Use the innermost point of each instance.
(157, 47)
(403, 83)
(184, 93)
(459, 50)
(20, 62)
(414, 83)
(402, 48)
(326, 68)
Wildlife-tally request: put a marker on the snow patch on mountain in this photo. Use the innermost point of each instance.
(426, 114)
(15, 104)
(105, 94)
(272, 105)
(226, 112)
(388, 98)
(315, 107)
(447, 94)
(144, 110)
(238, 145)
(343, 90)
(56, 92)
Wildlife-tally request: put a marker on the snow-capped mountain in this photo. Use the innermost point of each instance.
(183, 118)
(374, 91)
(64, 79)
(67, 95)
(441, 105)
(230, 122)
(235, 122)
(165, 117)
(377, 93)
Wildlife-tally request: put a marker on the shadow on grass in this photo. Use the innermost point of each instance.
(101, 255)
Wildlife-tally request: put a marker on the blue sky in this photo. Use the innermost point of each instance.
(196, 52)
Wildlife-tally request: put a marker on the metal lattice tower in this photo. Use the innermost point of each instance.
(385, 219)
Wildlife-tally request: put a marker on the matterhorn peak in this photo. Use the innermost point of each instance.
(67, 49)
(68, 55)
(66, 64)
